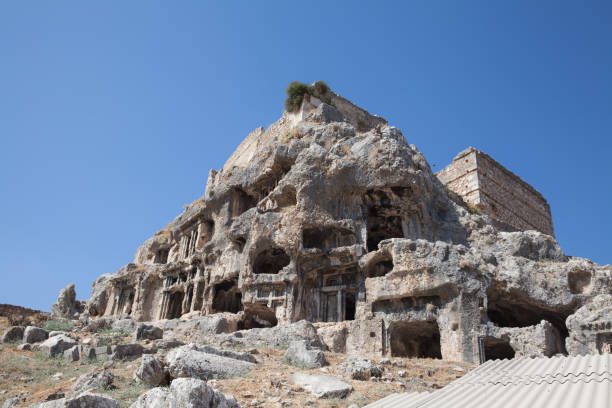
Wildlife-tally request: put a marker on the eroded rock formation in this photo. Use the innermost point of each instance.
(330, 215)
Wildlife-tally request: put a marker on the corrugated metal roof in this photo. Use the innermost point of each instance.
(400, 400)
(557, 382)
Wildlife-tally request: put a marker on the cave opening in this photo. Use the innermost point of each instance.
(175, 305)
(241, 202)
(380, 268)
(579, 281)
(326, 238)
(287, 198)
(161, 256)
(227, 297)
(511, 313)
(497, 349)
(271, 261)
(257, 316)
(415, 339)
(384, 219)
(381, 228)
(349, 306)
(207, 230)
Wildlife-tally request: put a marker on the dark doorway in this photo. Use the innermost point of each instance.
(415, 339)
(272, 260)
(349, 306)
(175, 305)
(228, 297)
(257, 316)
(497, 349)
(380, 268)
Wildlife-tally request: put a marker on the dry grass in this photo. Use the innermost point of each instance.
(269, 383)
(36, 374)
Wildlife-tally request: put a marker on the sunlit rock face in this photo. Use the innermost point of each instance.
(330, 215)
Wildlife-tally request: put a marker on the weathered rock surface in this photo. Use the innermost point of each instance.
(188, 361)
(91, 400)
(84, 400)
(127, 351)
(13, 334)
(66, 305)
(300, 353)
(590, 328)
(151, 371)
(330, 215)
(73, 353)
(11, 402)
(185, 392)
(149, 332)
(57, 345)
(94, 380)
(274, 337)
(34, 334)
(361, 369)
(322, 386)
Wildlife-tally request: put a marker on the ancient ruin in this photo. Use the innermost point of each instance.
(497, 192)
(329, 215)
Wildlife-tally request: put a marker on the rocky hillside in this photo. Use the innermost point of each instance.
(326, 239)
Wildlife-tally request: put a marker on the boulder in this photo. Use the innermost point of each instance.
(11, 402)
(73, 353)
(90, 400)
(185, 393)
(188, 361)
(124, 324)
(148, 332)
(237, 355)
(13, 334)
(58, 403)
(273, 337)
(24, 347)
(96, 304)
(66, 306)
(57, 345)
(151, 371)
(93, 380)
(361, 369)
(301, 354)
(54, 333)
(33, 334)
(127, 351)
(333, 335)
(154, 398)
(322, 386)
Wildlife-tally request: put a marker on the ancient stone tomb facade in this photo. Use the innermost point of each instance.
(330, 216)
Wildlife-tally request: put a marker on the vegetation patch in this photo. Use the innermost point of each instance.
(297, 91)
(58, 325)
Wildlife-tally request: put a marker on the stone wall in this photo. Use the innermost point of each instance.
(497, 192)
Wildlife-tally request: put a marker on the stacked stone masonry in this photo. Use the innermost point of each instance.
(486, 184)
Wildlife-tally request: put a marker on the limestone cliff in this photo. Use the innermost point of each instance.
(330, 215)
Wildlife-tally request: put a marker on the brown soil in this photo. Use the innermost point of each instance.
(35, 377)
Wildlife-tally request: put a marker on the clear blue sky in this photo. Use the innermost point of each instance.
(112, 113)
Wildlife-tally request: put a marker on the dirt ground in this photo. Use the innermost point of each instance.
(35, 378)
